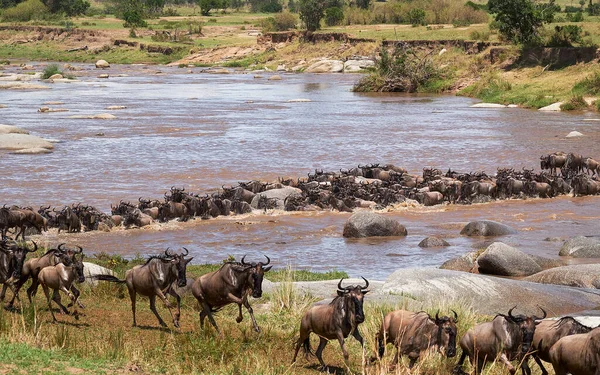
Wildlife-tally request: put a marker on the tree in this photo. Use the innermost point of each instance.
(334, 16)
(207, 5)
(363, 4)
(519, 20)
(69, 7)
(311, 13)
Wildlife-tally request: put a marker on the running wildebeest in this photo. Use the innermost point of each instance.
(577, 354)
(156, 277)
(230, 284)
(335, 320)
(61, 277)
(12, 257)
(548, 332)
(413, 333)
(507, 335)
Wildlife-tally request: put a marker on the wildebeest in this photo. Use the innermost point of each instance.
(507, 335)
(67, 219)
(577, 354)
(61, 278)
(413, 333)
(553, 161)
(335, 320)
(230, 284)
(33, 266)
(156, 277)
(137, 218)
(592, 166)
(548, 332)
(12, 258)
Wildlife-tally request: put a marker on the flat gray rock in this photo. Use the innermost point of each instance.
(92, 269)
(326, 66)
(433, 241)
(503, 260)
(13, 141)
(10, 129)
(277, 196)
(486, 228)
(487, 294)
(580, 275)
(463, 263)
(324, 289)
(32, 151)
(581, 247)
(365, 223)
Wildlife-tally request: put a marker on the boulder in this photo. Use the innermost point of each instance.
(56, 76)
(463, 263)
(574, 134)
(488, 105)
(487, 294)
(486, 228)
(277, 195)
(552, 107)
(10, 129)
(326, 66)
(101, 116)
(546, 263)
(581, 247)
(364, 223)
(433, 241)
(325, 288)
(32, 151)
(22, 141)
(503, 260)
(358, 65)
(580, 275)
(103, 76)
(102, 64)
(91, 269)
(275, 78)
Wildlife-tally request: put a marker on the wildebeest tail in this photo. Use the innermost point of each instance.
(306, 346)
(110, 278)
(380, 347)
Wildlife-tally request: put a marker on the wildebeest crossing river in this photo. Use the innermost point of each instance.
(200, 131)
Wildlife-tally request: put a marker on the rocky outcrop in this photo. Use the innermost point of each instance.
(433, 241)
(463, 263)
(10, 129)
(276, 197)
(102, 64)
(503, 260)
(369, 224)
(486, 228)
(326, 66)
(351, 66)
(12, 141)
(580, 275)
(487, 294)
(91, 269)
(581, 247)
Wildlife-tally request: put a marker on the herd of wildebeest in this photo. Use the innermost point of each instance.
(570, 346)
(370, 186)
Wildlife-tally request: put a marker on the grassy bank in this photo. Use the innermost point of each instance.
(102, 341)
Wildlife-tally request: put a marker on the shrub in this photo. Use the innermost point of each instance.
(285, 21)
(572, 9)
(575, 103)
(311, 13)
(50, 70)
(401, 71)
(594, 9)
(574, 17)
(416, 17)
(589, 86)
(357, 16)
(565, 36)
(479, 35)
(334, 16)
(25, 11)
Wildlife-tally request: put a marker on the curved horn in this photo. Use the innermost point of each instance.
(455, 316)
(510, 312)
(168, 252)
(544, 311)
(35, 247)
(242, 261)
(366, 281)
(186, 251)
(59, 248)
(80, 250)
(340, 284)
(437, 315)
(268, 260)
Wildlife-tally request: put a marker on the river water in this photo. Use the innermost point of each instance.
(187, 128)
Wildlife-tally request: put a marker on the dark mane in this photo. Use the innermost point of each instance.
(577, 327)
(159, 257)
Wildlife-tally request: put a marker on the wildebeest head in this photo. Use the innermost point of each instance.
(526, 325)
(256, 275)
(180, 263)
(447, 333)
(18, 254)
(78, 265)
(355, 295)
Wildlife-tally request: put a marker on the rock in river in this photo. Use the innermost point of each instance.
(486, 228)
(503, 260)
(581, 247)
(580, 275)
(277, 195)
(433, 241)
(13, 141)
(365, 223)
(487, 294)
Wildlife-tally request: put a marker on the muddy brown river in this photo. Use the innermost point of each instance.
(200, 131)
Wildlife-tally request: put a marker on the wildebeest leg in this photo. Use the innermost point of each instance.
(412, 359)
(251, 312)
(319, 352)
(56, 298)
(507, 363)
(340, 338)
(178, 311)
(559, 370)
(153, 309)
(304, 339)
(208, 312)
(458, 368)
(47, 293)
(525, 367)
(132, 297)
(76, 293)
(3, 293)
(32, 290)
(539, 362)
(357, 336)
(239, 317)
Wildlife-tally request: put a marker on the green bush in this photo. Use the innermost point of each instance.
(51, 70)
(25, 11)
(589, 86)
(575, 17)
(565, 36)
(416, 17)
(334, 16)
(575, 103)
(479, 35)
